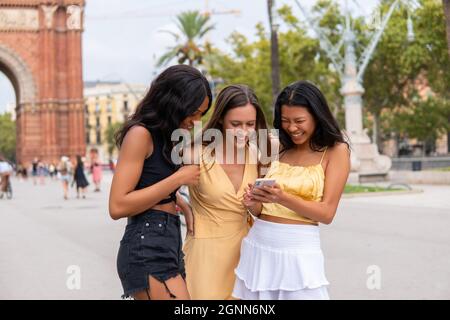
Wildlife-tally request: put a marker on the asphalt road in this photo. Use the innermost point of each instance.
(389, 247)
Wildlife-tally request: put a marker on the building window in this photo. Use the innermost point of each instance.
(109, 107)
(99, 137)
(125, 105)
(88, 137)
(86, 109)
(97, 122)
(97, 108)
(109, 120)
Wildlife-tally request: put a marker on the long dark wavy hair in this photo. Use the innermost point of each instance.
(232, 97)
(303, 93)
(174, 95)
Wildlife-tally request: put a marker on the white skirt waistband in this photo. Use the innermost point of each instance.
(278, 236)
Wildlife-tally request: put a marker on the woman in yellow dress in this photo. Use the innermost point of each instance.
(220, 220)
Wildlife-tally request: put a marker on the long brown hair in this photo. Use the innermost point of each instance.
(232, 97)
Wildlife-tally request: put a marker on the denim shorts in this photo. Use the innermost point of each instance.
(66, 178)
(151, 246)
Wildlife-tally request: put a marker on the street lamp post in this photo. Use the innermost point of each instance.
(352, 91)
(366, 160)
(274, 55)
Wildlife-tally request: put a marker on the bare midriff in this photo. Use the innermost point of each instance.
(167, 207)
(270, 218)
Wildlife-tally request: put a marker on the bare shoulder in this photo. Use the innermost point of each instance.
(138, 139)
(138, 132)
(339, 150)
(338, 160)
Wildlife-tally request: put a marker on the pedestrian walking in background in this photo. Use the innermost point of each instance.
(96, 169)
(22, 172)
(80, 178)
(64, 174)
(41, 172)
(112, 166)
(52, 171)
(34, 170)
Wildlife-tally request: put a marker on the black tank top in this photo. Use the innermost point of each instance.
(156, 167)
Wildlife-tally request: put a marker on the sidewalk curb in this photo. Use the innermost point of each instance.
(380, 194)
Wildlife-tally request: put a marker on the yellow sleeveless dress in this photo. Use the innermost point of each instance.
(220, 224)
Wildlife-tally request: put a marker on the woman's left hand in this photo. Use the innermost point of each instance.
(268, 194)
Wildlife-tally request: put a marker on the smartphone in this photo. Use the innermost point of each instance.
(264, 182)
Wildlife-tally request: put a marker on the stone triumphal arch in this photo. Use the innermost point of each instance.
(40, 53)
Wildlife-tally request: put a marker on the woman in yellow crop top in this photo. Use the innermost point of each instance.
(281, 257)
(220, 219)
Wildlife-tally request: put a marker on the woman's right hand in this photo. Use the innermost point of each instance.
(254, 206)
(189, 175)
(189, 217)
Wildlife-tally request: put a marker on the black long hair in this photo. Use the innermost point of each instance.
(174, 95)
(303, 93)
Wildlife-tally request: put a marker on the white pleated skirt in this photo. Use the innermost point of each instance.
(281, 262)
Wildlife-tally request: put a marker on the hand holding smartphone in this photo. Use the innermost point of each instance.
(259, 183)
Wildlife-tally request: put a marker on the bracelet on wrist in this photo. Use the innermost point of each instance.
(249, 211)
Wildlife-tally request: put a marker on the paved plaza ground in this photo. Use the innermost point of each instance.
(403, 239)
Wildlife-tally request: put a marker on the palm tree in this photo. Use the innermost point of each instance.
(192, 27)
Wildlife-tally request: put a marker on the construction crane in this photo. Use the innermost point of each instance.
(208, 12)
(142, 13)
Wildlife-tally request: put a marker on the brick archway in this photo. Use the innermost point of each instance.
(19, 74)
(40, 52)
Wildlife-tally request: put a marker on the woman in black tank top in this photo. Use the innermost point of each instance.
(150, 260)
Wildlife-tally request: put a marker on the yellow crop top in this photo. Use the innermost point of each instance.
(305, 182)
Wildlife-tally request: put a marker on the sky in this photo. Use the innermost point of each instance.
(123, 39)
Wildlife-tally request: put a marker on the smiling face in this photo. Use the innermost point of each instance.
(241, 121)
(298, 123)
(188, 122)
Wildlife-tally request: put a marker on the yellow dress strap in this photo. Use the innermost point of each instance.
(323, 155)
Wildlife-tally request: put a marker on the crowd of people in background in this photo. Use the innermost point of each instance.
(71, 172)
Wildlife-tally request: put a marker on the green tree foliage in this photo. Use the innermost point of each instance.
(110, 132)
(425, 119)
(394, 78)
(400, 68)
(7, 136)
